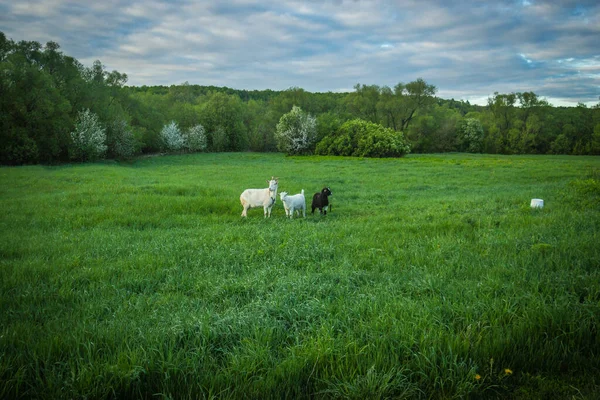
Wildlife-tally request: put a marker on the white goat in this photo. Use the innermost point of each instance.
(251, 198)
(293, 203)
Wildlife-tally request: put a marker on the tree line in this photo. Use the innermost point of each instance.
(54, 109)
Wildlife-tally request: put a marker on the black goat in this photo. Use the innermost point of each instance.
(321, 201)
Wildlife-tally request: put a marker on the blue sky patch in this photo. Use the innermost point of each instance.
(469, 50)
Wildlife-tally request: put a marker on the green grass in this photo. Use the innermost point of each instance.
(142, 280)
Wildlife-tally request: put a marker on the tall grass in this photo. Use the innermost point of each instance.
(431, 278)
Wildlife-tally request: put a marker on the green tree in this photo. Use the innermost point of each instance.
(147, 112)
(294, 96)
(595, 144)
(327, 124)
(220, 139)
(362, 103)
(260, 125)
(34, 116)
(581, 119)
(387, 106)
(435, 131)
(224, 112)
(561, 145)
(533, 111)
(502, 107)
(413, 97)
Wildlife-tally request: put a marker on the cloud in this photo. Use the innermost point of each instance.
(467, 49)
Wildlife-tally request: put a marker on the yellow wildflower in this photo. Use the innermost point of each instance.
(507, 371)
(477, 376)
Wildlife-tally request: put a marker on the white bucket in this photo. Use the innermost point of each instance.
(537, 203)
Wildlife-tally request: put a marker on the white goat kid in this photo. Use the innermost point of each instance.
(293, 203)
(251, 198)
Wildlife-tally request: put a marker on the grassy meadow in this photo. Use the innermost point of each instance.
(430, 278)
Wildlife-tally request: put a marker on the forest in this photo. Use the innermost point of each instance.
(53, 109)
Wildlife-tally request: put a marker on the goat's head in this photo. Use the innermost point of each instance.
(326, 191)
(282, 195)
(273, 184)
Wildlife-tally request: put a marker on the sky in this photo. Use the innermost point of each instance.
(467, 49)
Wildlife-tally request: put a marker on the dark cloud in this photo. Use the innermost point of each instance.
(467, 49)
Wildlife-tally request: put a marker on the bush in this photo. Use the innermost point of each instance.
(364, 139)
(382, 143)
(88, 138)
(296, 132)
(471, 136)
(121, 141)
(171, 137)
(323, 146)
(194, 139)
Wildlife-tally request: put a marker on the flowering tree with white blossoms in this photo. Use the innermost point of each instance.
(195, 138)
(89, 137)
(296, 132)
(172, 137)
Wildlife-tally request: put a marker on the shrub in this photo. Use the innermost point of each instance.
(296, 132)
(364, 139)
(342, 146)
(382, 142)
(121, 141)
(88, 138)
(171, 137)
(471, 136)
(323, 146)
(194, 139)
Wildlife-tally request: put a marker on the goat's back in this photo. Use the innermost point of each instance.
(316, 199)
(254, 197)
(320, 199)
